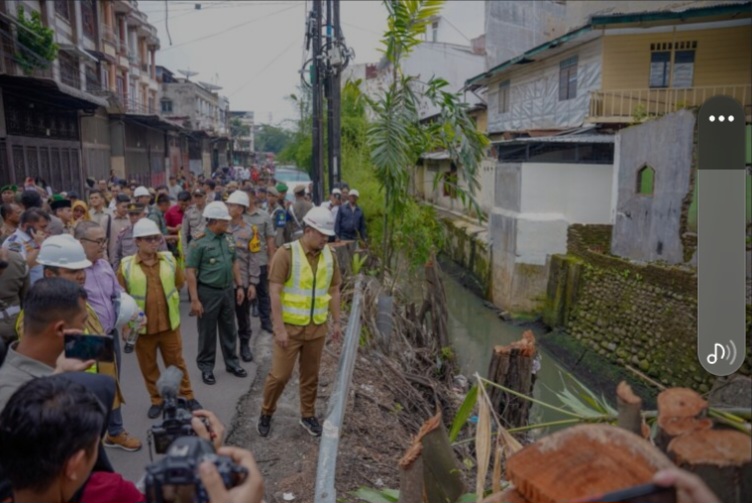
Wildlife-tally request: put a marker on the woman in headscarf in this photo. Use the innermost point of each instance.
(80, 213)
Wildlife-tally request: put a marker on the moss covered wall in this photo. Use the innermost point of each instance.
(465, 245)
(644, 316)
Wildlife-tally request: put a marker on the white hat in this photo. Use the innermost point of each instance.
(320, 219)
(217, 210)
(141, 191)
(354, 192)
(238, 197)
(63, 251)
(145, 227)
(336, 191)
(128, 310)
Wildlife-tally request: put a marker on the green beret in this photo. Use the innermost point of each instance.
(57, 201)
(11, 188)
(281, 187)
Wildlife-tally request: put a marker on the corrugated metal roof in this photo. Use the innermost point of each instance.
(435, 156)
(578, 138)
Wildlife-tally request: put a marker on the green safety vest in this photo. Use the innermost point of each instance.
(305, 298)
(136, 282)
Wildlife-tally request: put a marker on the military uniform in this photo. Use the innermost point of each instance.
(261, 224)
(14, 282)
(212, 257)
(193, 225)
(248, 263)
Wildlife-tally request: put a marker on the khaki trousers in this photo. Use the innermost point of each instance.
(307, 348)
(170, 345)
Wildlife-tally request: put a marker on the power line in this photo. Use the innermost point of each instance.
(233, 5)
(260, 72)
(234, 27)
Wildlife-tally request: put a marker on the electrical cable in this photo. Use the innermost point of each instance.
(260, 72)
(234, 27)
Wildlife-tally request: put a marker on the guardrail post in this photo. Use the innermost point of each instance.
(327, 465)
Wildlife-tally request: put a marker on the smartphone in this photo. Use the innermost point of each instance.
(90, 347)
(646, 493)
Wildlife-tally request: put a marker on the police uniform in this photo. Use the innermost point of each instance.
(21, 243)
(212, 256)
(14, 282)
(245, 242)
(307, 276)
(263, 228)
(193, 225)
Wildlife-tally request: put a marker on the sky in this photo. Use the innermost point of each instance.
(254, 49)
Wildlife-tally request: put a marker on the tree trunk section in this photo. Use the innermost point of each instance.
(630, 409)
(680, 411)
(512, 367)
(722, 458)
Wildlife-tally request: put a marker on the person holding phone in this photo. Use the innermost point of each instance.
(28, 238)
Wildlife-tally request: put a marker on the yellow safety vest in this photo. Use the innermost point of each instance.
(136, 282)
(305, 298)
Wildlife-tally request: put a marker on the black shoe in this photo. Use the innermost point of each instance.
(267, 328)
(238, 372)
(264, 425)
(194, 405)
(208, 377)
(155, 410)
(254, 310)
(245, 353)
(312, 426)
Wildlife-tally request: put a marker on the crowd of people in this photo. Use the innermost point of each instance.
(112, 265)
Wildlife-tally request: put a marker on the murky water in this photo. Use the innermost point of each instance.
(475, 329)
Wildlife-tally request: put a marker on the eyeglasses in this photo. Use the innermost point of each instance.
(151, 239)
(100, 242)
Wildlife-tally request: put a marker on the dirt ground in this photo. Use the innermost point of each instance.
(372, 442)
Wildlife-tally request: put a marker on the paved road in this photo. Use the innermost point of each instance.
(221, 398)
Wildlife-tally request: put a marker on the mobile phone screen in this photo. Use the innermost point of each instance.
(90, 347)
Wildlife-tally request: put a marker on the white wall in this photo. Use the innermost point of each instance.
(581, 193)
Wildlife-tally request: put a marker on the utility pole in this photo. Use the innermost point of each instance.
(316, 84)
(335, 101)
(330, 43)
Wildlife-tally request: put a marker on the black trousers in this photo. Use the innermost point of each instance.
(262, 294)
(219, 310)
(243, 314)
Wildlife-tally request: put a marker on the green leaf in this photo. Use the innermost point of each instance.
(464, 412)
(376, 495)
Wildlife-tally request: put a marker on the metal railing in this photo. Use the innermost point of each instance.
(327, 465)
(629, 105)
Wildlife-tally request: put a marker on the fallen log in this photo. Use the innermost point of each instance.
(512, 367)
(629, 406)
(581, 461)
(722, 458)
(429, 470)
(680, 411)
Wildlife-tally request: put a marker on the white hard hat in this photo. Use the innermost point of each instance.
(354, 192)
(141, 191)
(238, 197)
(336, 191)
(217, 210)
(128, 310)
(320, 219)
(63, 251)
(145, 227)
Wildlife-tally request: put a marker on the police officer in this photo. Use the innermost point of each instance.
(246, 249)
(193, 219)
(263, 248)
(304, 284)
(211, 271)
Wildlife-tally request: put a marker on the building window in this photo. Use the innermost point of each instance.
(646, 180)
(166, 106)
(62, 8)
(672, 64)
(435, 31)
(89, 18)
(504, 97)
(568, 79)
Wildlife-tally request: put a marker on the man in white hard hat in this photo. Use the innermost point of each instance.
(304, 282)
(153, 279)
(247, 246)
(64, 257)
(212, 271)
(142, 196)
(126, 244)
(351, 224)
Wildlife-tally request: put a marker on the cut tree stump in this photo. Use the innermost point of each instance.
(630, 409)
(429, 470)
(680, 411)
(722, 458)
(512, 367)
(582, 461)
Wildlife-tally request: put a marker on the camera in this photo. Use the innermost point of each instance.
(176, 417)
(175, 477)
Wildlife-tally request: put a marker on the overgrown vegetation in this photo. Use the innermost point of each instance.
(36, 42)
